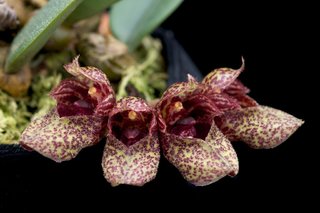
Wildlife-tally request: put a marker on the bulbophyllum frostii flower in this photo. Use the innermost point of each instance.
(78, 121)
(260, 127)
(88, 93)
(193, 122)
(198, 120)
(132, 152)
(189, 138)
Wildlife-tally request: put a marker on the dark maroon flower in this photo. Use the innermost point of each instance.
(260, 127)
(132, 152)
(88, 93)
(197, 120)
(78, 121)
(189, 138)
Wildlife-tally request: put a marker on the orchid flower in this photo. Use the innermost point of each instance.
(89, 93)
(189, 138)
(198, 120)
(132, 152)
(260, 127)
(78, 121)
(193, 122)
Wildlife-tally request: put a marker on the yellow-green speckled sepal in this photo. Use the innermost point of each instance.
(133, 165)
(260, 127)
(219, 79)
(61, 139)
(201, 162)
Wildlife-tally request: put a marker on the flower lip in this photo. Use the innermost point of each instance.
(131, 120)
(196, 125)
(188, 116)
(129, 126)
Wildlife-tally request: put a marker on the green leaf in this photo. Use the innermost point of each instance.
(37, 31)
(132, 20)
(88, 8)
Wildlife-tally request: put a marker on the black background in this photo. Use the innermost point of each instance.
(277, 42)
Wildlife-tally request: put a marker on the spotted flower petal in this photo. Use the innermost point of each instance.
(239, 92)
(132, 152)
(78, 121)
(260, 127)
(86, 73)
(88, 93)
(223, 87)
(61, 138)
(220, 79)
(188, 136)
(201, 162)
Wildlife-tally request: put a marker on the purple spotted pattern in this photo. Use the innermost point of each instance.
(188, 113)
(188, 136)
(201, 162)
(61, 138)
(78, 121)
(195, 120)
(88, 93)
(223, 82)
(132, 152)
(219, 79)
(181, 99)
(260, 127)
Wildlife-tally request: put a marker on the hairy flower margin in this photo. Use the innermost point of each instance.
(193, 123)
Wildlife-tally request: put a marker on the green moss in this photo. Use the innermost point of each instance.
(148, 76)
(16, 113)
(14, 117)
